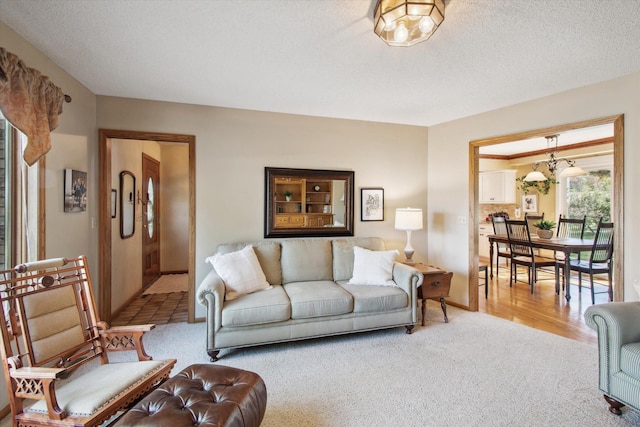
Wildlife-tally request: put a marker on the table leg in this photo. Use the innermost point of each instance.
(491, 258)
(424, 311)
(567, 273)
(443, 304)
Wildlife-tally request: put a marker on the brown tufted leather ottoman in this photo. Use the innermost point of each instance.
(202, 395)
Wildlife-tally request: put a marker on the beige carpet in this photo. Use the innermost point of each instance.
(476, 370)
(168, 283)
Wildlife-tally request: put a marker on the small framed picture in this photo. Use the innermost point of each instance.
(530, 203)
(75, 190)
(371, 204)
(114, 202)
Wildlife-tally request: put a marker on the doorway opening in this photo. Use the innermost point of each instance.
(105, 218)
(616, 209)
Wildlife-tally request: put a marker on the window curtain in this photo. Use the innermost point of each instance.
(30, 102)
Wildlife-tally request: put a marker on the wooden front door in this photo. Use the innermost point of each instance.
(150, 220)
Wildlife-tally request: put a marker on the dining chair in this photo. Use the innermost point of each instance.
(499, 227)
(532, 219)
(599, 260)
(522, 252)
(569, 227)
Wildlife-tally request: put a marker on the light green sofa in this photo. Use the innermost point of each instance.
(309, 297)
(618, 327)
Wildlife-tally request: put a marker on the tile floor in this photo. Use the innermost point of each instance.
(155, 308)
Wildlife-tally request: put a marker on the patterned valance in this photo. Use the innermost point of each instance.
(30, 102)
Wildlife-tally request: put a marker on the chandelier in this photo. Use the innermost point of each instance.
(552, 164)
(407, 22)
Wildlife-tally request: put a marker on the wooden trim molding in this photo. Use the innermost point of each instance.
(104, 142)
(618, 201)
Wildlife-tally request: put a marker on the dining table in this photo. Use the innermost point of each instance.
(566, 245)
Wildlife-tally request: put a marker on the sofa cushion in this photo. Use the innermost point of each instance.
(372, 299)
(343, 254)
(629, 357)
(271, 305)
(373, 267)
(318, 299)
(306, 260)
(268, 253)
(240, 271)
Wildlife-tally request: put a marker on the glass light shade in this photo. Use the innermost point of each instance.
(401, 34)
(572, 171)
(420, 18)
(535, 176)
(408, 219)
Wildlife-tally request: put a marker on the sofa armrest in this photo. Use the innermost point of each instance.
(617, 324)
(408, 279)
(211, 294)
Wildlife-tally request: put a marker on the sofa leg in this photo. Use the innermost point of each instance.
(409, 328)
(615, 406)
(213, 354)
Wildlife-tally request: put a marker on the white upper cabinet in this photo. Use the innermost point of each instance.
(498, 186)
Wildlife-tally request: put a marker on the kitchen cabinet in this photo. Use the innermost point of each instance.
(498, 186)
(484, 231)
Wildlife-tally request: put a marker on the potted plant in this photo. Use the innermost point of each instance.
(287, 195)
(545, 228)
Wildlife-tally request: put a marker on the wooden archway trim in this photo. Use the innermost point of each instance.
(618, 202)
(104, 186)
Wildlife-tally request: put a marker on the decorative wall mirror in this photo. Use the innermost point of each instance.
(308, 202)
(127, 204)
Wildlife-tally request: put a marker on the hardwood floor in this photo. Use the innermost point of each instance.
(543, 309)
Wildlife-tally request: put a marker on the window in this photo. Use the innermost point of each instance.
(19, 200)
(589, 195)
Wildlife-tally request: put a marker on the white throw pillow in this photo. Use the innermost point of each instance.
(373, 267)
(240, 271)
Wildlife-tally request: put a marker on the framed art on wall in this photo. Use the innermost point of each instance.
(530, 203)
(75, 191)
(114, 202)
(371, 204)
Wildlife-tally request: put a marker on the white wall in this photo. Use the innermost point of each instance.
(174, 208)
(448, 166)
(234, 146)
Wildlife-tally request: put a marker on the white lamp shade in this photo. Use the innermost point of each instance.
(408, 219)
(572, 171)
(535, 176)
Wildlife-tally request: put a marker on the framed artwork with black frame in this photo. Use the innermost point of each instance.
(372, 204)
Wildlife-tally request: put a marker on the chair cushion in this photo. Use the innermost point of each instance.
(317, 299)
(372, 299)
(630, 359)
(54, 322)
(270, 305)
(89, 392)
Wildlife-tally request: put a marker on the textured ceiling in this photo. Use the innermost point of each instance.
(321, 57)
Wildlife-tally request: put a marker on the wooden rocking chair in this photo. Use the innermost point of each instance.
(50, 327)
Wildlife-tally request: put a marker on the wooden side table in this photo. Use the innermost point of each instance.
(435, 285)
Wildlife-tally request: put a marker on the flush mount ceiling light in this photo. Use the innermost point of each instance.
(407, 22)
(552, 164)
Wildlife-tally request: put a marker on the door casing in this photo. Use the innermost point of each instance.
(104, 218)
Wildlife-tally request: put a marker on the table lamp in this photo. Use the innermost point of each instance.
(408, 219)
